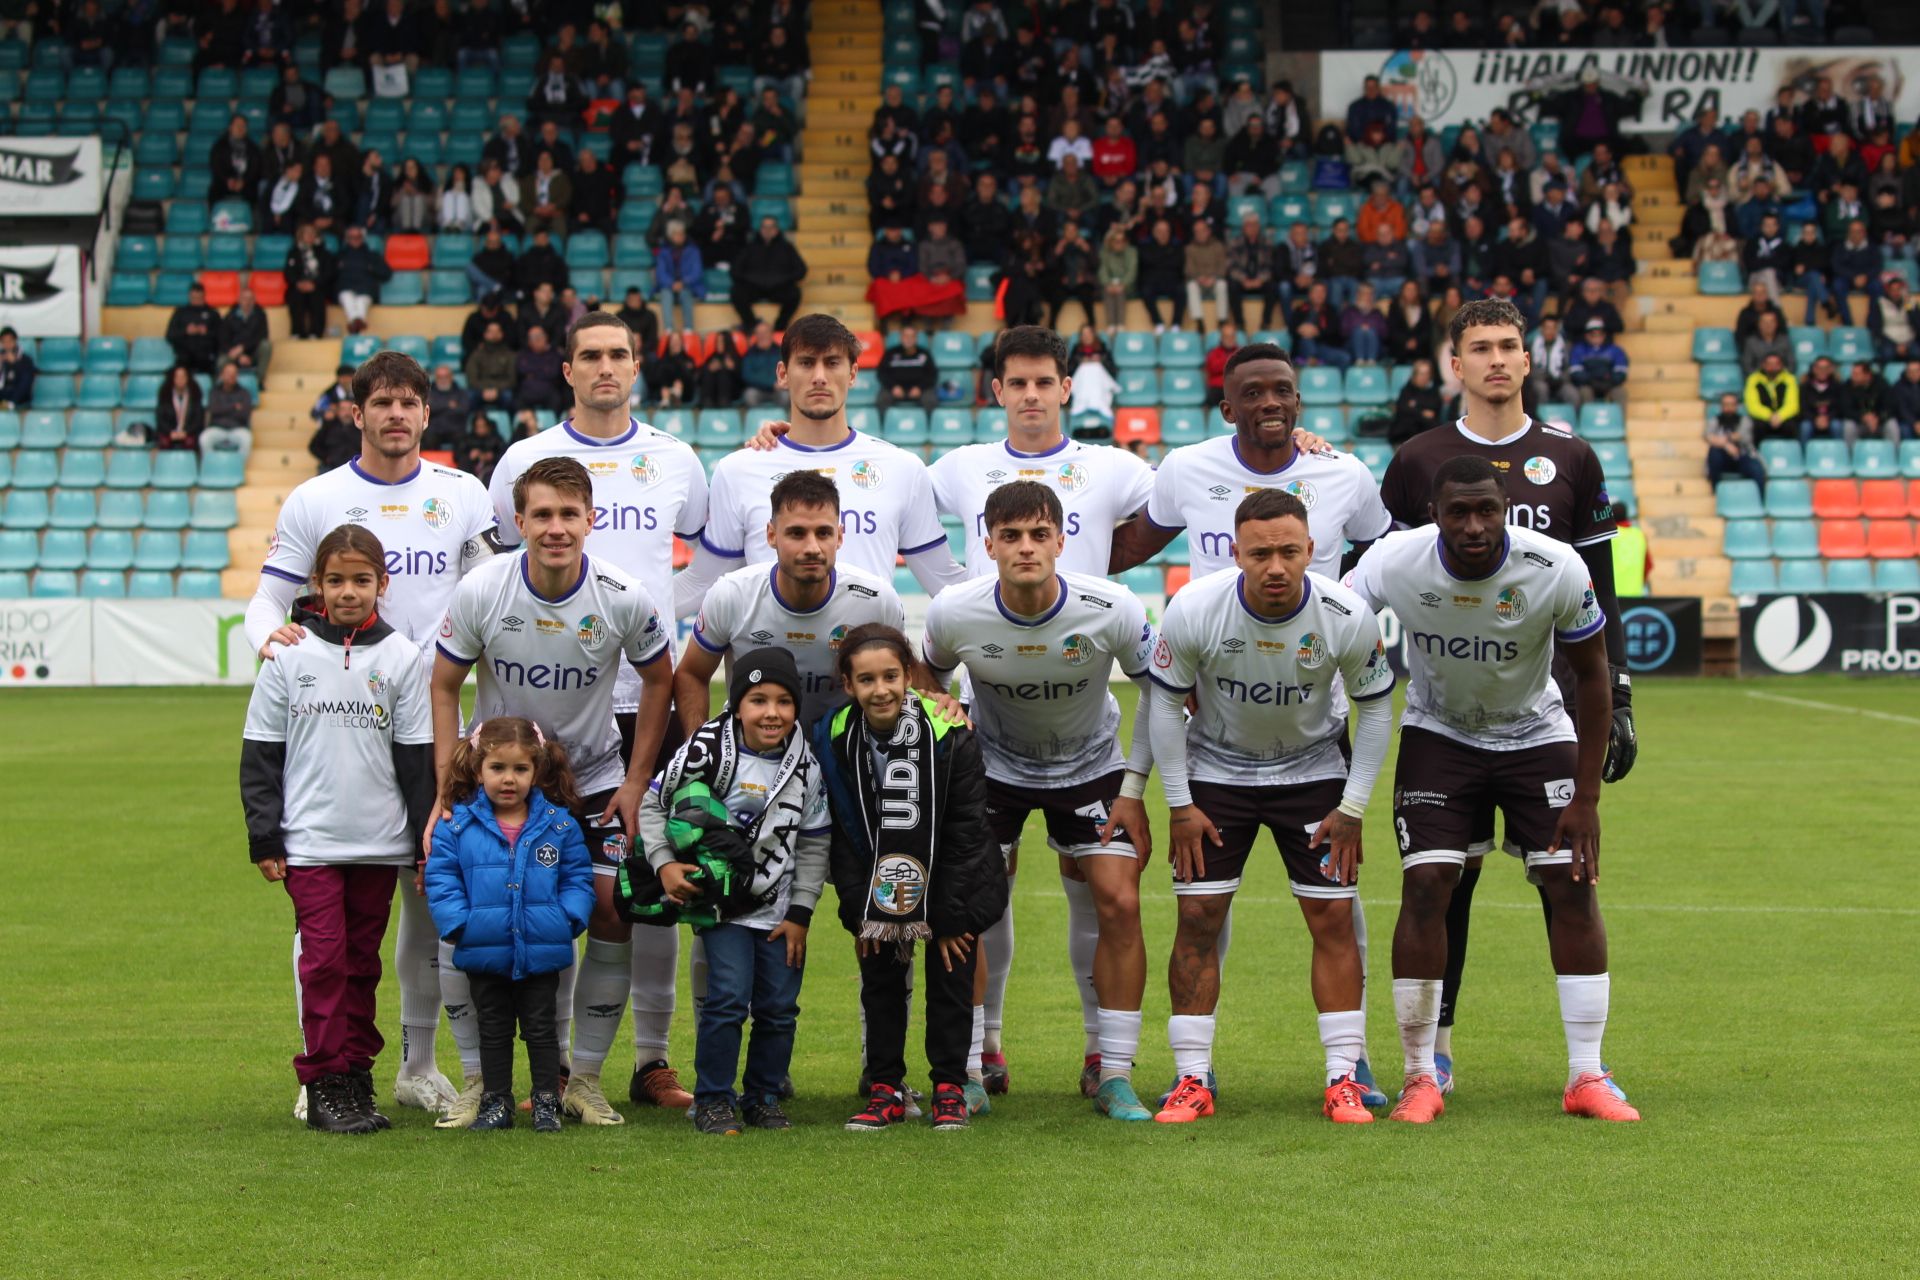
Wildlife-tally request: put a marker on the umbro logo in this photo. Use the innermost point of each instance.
(761, 637)
(606, 1010)
(356, 513)
(1233, 645)
(513, 622)
(455, 1010)
(1429, 599)
(306, 681)
(991, 650)
(996, 475)
(1220, 491)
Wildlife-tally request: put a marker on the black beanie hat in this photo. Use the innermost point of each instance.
(764, 666)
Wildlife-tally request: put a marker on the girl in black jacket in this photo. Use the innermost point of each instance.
(938, 879)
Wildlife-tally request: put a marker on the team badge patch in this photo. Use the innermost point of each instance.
(1077, 649)
(547, 855)
(1162, 656)
(1510, 605)
(1303, 490)
(644, 469)
(866, 474)
(1312, 650)
(1559, 793)
(377, 684)
(835, 636)
(437, 512)
(1540, 470)
(592, 628)
(1072, 477)
(899, 883)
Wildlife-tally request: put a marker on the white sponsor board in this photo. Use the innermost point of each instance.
(40, 290)
(1460, 86)
(42, 176)
(121, 642)
(45, 642)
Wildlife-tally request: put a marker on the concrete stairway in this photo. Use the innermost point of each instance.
(831, 210)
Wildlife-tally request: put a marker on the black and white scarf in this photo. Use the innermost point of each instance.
(897, 787)
(712, 756)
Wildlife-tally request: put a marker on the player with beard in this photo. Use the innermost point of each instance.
(1555, 486)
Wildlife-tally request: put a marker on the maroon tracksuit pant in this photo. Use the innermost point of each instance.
(341, 914)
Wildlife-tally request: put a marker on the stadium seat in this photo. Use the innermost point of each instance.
(1884, 500)
(19, 550)
(63, 549)
(405, 289)
(980, 286)
(9, 429)
(1795, 540)
(1805, 577)
(79, 469)
(408, 252)
(1602, 421)
(157, 552)
(411, 345)
(1136, 425)
(44, 429)
(1182, 387)
(60, 355)
(205, 550)
(345, 83)
(1738, 500)
(174, 469)
(1714, 344)
(1183, 425)
(223, 287)
(1718, 377)
(1181, 349)
(99, 391)
(1366, 385)
(91, 428)
(1133, 349)
(52, 584)
(1746, 540)
(1788, 499)
(13, 584)
(1809, 344)
(72, 509)
(54, 392)
(1848, 344)
(1896, 575)
(1375, 454)
(1828, 458)
(128, 469)
(28, 509)
(129, 289)
(953, 350)
(1891, 540)
(949, 429)
(1840, 575)
(1843, 539)
(1321, 385)
(197, 584)
(1138, 387)
(448, 288)
(170, 288)
(1875, 460)
(1329, 422)
(906, 426)
(1783, 458)
(110, 550)
(142, 389)
(166, 509)
(1721, 279)
(1832, 499)
(1754, 578)
(148, 584)
(719, 428)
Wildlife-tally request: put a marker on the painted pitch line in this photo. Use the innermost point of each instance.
(1833, 706)
(1699, 908)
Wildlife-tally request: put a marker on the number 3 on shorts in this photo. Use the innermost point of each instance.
(1406, 838)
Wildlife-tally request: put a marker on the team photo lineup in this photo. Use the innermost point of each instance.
(525, 866)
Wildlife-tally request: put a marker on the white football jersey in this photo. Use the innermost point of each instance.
(1099, 486)
(743, 611)
(648, 487)
(886, 501)
(1479, 649)
(753, 778)
(550, 661)
(340, 718)
(1199, 486)
(430, 525)
(1270, 708)
(1040, 701)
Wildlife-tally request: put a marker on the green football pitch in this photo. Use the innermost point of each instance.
(1757, 875)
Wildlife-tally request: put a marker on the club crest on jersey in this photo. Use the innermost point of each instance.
(437, 512)
(1510, 605)
(899, 883)
(865, 473)
(377, 684)
(1311, 651)
(547, 855)
(592, 629)
(446, 627)
(1077, 649)
(1540, 470)
(1303, 490)
(644, 468)
(1162, 656)
(1072, 477)
(835, 636)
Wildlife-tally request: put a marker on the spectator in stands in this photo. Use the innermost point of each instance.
(541, 309)
(630, 129)
(1713, 167)
(358, 275)
(1161, 275)
(719, 381)
(1591, 305)
(1317, 338)
(1820, 422)
(759, 366)
(372, 193)
(510, 147)
(595, 197)
(1204, 267)
(1250, 272)
(340, 392)
(1436, 258)
(453, 211)
(1823, 395)
(179, 416)
(1791, 150)
(1365, 326)
(1810, 260)
(1422, 159)
(1706, 215)
(774, 127)
(1523, 258)
(1252, 160)
(555, 95)
(229, 415)
(779, 66)
(1342, 262)
(281, 149)
(1115, 158)
(492, 368)
(1729, 436)
(1903, 402)
(1893, 319)
(1549, 381)
(411, 206)
(539, 263)
(193, 331)
(1856, 268)
(1119, 269)
(1590, 115)
(324, 200)
(670, 373)
(1597, 367)
(336, 438)
(243, 334)
(942, 259)
(448, 405)
(1766, 258)
(480, 449)
(1076, 271)
(767, 269)
(1417, 407)
(235, 162)
(1370, 107)
(689, 62)
(17, 372)
(1373, 155)
(1773, 401)
(296, 101)
(1553, 213)
(492, 267)
(1071, 191)
(1755, 165)
(309, 272)
(891, 195)
(1408, 324)
(906, 372)
(546, 196)
(1840, 169)
(1868, 404)
(1769, 338)
(496, 197)
(1024, 284)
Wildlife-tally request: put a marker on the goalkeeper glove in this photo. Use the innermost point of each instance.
(1623, 743)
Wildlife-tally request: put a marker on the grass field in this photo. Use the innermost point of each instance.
(1758, 876)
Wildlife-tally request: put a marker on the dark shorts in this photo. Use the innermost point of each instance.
(1074, 815)
(1292, 814)
(668, 745)
(1482, 840)
(1443, 790)
(605, 862)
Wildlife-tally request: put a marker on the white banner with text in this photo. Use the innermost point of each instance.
(40, 290)
(44, 176)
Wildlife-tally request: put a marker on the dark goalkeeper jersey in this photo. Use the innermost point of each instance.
(1555, 484)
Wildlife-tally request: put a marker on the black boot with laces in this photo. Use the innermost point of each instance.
(332, 1107)
(496, 1112)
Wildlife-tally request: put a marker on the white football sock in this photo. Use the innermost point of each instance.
(1416, 1006)
(974, 1046)
(1583, 1012)
(456, 998)
(1190, 1036)
(416, 965)
(1083, 937)
(1360, 940)
(1343, 1035)
(1117, 1043)
(1443, 1041)
(599, 998)
(996, 951)
(656, 965)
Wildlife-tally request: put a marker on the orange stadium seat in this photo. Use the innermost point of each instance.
(269, 287)
(1136, 426)
(873, 345)
(682, 554)
(1843, 539)
(1836, 499)
(1891, 540)
(1178, 576)
(223, 287)
(408, 252)
(1884, 500)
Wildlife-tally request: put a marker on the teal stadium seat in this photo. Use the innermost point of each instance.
(907, 427)
(172, 469)
(44, 429)
(147, 584)
(1182, 387)
(949, 428)
(74, 509)
(1896, 576)
(1747, 540)
(1783, 458)
(110, 550)
(27, 509)
(1909, 457)
(166, 509)
(1875, 460)
(1809, 344)
(1182, 425)
(59, 355)
(50, 584)
(1321, 385)
(1329, 422)
(63, 549)
(1739, 500)
(157, 552)
(204, 550)
(150, 355)
(1841, 575)
(1181, 349)
(1133, 349)
(1804, 577)
(99, 391)
(1721, 279)
(1601, 421)
(1754, 578)
(128, 469)
(1848, 344)
(1366, 385)
(1827, 459)
(1787, 499)
(90, 428)
(79, 468)
(1719, 377)
(1714, 344)
(1796, 540)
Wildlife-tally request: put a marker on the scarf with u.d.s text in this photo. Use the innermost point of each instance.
(895, 784)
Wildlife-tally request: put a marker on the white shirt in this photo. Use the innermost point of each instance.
(1270, 710)
(886, 501)
(1093, 390)
(1199, 486)
(648, 487)
(753, 777)
(430, 525)
(1479, 649)
(744, 611)
(1099, 486)
(340, 719)
(548, 660)
(1040, 702)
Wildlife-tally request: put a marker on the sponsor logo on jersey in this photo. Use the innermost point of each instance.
(1220, 492)
(1072, 477)
(1272, 646)
(307, 680)
(1539, 469)
(996, 475)
(1035, 690)
(1233, 644)
(347, 714)
(437, 512)
(602, 467)
(1534, 557)
(512, 622)
(800, 637)
(1559, 793)
(356, 513)
(549, 626)
(1589, 609)
(1303, 490)
(394, 510)
(1466, 602)
(607, 582)
(1162, 655)
(1404, 798)
(592, 629)
(273, 543)
(653, 622)
(1336, 606)
(1312, 650)
(1468, 648)
(1603, 508)
(1429, 599)
(547, 855)
(992, 650)
(899, 883)
(554, 676)
(1030, 650)
(761, 636)
(865, 474)
(1264, 693)
(446, 627)
(835, 636)
(868, 593)
(645, 469)
(1095, 601)
(1510, 605)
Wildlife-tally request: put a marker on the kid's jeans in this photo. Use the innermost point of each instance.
(747, 974)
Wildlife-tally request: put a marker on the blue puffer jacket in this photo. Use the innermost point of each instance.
(511, 910)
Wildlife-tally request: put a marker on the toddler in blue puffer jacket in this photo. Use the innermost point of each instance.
(510, 885)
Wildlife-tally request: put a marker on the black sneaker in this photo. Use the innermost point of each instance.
(949, 1107)
(332, 1107)
(765, 1113)
(363, 1098)
(715, 1116)
(496, 1112)
(785, 1090)
(885, 1108)
(546, 1111)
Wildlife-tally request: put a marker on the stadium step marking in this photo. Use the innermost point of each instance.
(1833, 706)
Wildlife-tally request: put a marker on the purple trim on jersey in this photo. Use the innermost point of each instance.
(816, 831)
(1044, 453)
(852, 435)
(720, 551)
(1440, 551)
(693, 537)
(1059, 603)
(940, 541)
(1170, 688)
(1575, 637)
(564, 596)
(354, 462)
(1164, 528)
(702, 641)
(658, 654)
(1240, 594)
(1383, 693)
(282, 573)
(595, 442)
(451, 656)
(773, 580)
(1234, 442)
